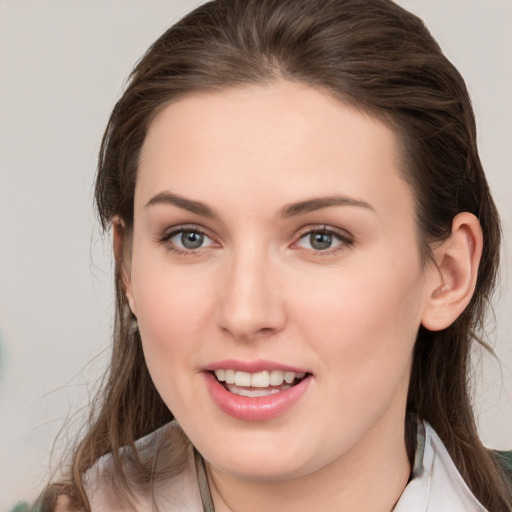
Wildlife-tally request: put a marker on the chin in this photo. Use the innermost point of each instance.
(272, 459)
(277, 470)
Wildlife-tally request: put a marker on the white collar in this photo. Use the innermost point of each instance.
(438, 486)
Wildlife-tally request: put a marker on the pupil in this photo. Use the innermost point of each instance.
(191, 239)
(320, 241)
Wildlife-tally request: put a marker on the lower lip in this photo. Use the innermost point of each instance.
(255, 408)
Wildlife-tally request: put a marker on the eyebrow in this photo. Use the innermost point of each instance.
(181, 202)
(290, 210)
(314, 204)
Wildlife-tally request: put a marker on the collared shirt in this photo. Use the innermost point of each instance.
(436, 485)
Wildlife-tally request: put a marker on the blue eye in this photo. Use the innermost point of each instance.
(322, 240)
(189, 239)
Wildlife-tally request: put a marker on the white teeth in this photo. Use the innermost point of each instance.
(261, 380)
(276, 377)
(289, 377)
(221, 375)
(251, 392)
(243, 379)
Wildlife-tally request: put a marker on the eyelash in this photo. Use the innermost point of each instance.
(167, 237)
(344, 238)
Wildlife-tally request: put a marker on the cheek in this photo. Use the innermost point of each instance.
(173, 306)
(172, 322)
(362, 332)
(364, 321)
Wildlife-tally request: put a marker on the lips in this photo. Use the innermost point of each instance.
(257, 395)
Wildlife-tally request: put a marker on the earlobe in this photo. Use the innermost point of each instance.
(121, 246)
(454, 277)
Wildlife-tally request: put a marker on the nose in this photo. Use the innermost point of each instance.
(251, 303)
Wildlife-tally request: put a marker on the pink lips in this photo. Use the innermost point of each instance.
(254, 408)
(259, 365)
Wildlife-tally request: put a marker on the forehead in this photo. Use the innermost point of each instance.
(283, 135)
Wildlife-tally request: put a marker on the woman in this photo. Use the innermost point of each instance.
(305, 244)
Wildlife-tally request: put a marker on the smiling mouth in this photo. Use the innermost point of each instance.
(258, 384)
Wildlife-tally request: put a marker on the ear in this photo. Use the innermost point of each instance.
(121, 242)
(455, 273)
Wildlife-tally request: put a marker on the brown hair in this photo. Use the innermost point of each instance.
(369, 53)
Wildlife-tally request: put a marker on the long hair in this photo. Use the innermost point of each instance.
(369, 53)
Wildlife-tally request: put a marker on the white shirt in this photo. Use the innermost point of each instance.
(438, 487)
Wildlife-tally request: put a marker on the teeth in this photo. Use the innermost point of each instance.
(254, 392)
(289, 377)
(257, 380)
(276, 377)
(243, 379)
(260, 380)
(230, 376)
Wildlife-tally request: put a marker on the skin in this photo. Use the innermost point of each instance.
(257, 289)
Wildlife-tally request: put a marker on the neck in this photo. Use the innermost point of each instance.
(371, 477)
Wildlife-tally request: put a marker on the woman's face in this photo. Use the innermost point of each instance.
(274, 238)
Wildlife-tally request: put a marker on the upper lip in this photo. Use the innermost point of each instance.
(259, 365)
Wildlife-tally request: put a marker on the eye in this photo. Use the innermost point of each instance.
(323, 240)
(191, 239)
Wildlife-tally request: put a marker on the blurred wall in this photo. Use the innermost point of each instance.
(62, 66)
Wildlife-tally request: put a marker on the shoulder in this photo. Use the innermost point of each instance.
(168, 477)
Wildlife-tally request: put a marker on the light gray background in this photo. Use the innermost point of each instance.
(62, 66)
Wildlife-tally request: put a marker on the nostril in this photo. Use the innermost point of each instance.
(265, 331)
